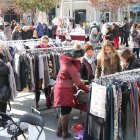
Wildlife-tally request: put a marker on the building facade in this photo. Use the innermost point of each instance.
(81, 11)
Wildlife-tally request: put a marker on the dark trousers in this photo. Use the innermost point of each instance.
(37, 94)
(125, 41)
(47, 92)
(122, 38)
(136, 51)
(3, 107)
(65, 110)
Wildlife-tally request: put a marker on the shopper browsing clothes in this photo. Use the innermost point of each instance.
(65, 88)
(38, 85)
(128, 60)
(44, 42)
(88, 64)
(108, 61)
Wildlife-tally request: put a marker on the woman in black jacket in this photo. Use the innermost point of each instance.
(129, 61)
(16, 34)
(88, 64)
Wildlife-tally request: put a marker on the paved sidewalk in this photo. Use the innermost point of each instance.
(23, 104)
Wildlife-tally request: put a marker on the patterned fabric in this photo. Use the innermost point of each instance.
(115, 112)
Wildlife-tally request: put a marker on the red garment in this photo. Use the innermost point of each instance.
(67, 78)
(139, 102)
(116, 42)
(138, 94)
(41, 46)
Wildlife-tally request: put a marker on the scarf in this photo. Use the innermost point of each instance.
(107, 56)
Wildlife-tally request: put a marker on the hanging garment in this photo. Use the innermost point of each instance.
(116, 112)
(17, 71)
(36, 75)
(12, 82)
(32, 86)
(110, 113)
(23, 70)
(57, 64)
(124, 106)
(41, 69)
(46, 72)
(54, 66)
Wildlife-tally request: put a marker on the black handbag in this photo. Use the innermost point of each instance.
(5, 93)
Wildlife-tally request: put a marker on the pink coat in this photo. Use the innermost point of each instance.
(67, 80)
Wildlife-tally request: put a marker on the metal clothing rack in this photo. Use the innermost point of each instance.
(134, 71)
(50, 48)
(53, 49)
(14, 42)
(21, 41)
(129, 75)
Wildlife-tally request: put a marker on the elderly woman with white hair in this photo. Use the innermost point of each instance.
(95, 38)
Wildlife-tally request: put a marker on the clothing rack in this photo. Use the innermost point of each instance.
(131, 78)
(11, 42)
(129, 75)
(51, 48)
(18, 41)
(135, 71)
(45, 50)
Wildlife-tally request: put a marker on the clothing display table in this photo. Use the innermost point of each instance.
(76, 37)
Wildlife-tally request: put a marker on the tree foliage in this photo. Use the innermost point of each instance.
(6, 6)
(111, 5)
(33, 5)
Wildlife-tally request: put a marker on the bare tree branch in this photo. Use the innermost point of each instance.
(111, 5)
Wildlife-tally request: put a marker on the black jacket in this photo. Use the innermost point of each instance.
(16, 35)
(4, 71)
(115, 31)
(109, 36)
(78, 53)
(126, 27)
(133, 63)
(26, 34)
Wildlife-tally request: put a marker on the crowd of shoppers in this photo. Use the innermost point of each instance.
(72, 70)
(16, 31)
(81, 64)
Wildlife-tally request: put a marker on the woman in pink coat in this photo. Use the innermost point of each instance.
(67, 80)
